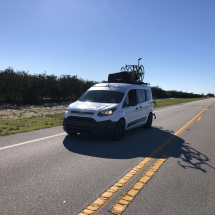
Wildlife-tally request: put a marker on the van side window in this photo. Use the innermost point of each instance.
(140, 96)
(148, 95)
(131, 96)
(144, 96)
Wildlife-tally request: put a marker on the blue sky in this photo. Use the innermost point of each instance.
(92, 38)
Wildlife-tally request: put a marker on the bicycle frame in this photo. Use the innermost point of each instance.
(135, 70)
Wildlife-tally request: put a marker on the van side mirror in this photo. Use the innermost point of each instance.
(132, 103)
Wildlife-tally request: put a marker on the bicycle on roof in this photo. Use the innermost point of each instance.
(137, 71)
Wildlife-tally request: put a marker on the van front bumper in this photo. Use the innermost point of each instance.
(75, 124)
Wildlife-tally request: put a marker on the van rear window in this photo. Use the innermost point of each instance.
(102, 96)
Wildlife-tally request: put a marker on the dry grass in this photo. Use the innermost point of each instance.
(8, 111)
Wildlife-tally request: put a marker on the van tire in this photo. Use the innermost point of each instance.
(119, 130)
(149, 121)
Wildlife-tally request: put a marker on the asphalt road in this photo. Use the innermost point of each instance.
(45, 174)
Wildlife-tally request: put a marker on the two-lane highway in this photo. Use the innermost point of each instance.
(49, 172)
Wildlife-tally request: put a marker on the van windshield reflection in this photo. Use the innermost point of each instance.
(102, 96)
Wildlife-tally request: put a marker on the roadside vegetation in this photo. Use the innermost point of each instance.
(16, 123)
(12, 126)
(18, 88)
(175, 101)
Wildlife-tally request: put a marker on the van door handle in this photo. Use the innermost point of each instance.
(136, 108)
(140, 106)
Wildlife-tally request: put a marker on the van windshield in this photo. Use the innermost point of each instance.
(102, 96)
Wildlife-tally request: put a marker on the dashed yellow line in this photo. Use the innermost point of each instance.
(126, 199)
(97, 204)
(108, 194)
(181, 129)
(199, 118)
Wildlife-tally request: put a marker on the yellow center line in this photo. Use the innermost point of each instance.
(126, 199)
(97, 204)
(199, 118)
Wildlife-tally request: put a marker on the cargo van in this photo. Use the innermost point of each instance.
(110, 108)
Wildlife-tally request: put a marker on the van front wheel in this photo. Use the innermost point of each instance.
(119, 130)
(149, 121)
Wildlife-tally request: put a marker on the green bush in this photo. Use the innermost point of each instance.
(20, 87)
(157, 93)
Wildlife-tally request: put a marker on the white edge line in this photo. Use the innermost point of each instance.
(31, 141)
(44, 138)
(177, 106)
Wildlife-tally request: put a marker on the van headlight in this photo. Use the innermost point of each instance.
(106, 112)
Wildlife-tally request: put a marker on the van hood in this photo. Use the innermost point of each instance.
(90, 106)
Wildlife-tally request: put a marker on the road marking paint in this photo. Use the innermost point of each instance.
(31, 141)
(207, 109)
(181, 129)
(177, 106)
(119, 206)
(199, 118)
(122, 203)
(97, 204)
(109, 193)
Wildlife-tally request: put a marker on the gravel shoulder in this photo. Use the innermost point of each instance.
(8, 111)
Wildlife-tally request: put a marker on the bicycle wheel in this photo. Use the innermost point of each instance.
(141, 72)
(129, 69)
(122, 69)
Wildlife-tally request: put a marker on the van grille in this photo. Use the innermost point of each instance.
(82, 113)
(81, 124)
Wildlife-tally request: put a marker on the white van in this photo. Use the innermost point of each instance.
(110, 108)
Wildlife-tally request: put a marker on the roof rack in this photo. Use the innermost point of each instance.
(130, 74)
(141, 83)
(136, 82)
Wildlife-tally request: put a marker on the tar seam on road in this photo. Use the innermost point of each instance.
(128, 196)
(31, 141)
(97, 204)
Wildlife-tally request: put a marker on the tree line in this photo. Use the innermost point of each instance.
(20, 87)
(158, 92)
